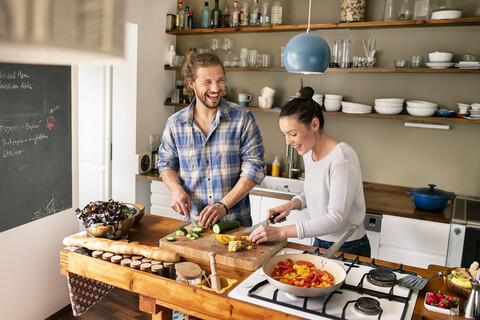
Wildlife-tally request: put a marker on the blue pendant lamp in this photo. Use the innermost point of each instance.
(307, 53)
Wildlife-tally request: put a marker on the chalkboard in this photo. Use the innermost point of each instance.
(35, 142)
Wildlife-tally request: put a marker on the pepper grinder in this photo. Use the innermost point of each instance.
(214, 277)
(471, 308)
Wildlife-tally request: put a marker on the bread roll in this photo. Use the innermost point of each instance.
(155, 253)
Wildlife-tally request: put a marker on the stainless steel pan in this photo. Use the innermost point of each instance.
(322, 263)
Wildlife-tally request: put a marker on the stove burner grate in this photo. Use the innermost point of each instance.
(368, 306)
(381, 277)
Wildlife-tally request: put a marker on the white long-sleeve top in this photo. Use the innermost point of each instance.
(333, 195)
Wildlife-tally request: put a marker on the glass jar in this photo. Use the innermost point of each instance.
(352, 10)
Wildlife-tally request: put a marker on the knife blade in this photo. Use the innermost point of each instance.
(266, 222)
(193, 221)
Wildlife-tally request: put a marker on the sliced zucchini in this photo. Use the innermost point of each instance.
(221, 227)
(193, 234)
(181, 232)
(197, 230)
(170, 239)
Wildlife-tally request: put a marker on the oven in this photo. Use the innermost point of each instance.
(471, 247)
(464, 240)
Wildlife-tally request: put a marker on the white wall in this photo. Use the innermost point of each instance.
(32, 286)
(153, 82)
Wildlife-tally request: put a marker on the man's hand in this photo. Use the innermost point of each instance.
(211, 214)
(181, 202)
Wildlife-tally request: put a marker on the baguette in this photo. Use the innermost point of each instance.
(155, 253)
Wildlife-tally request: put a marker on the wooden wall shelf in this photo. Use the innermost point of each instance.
(404, 117)
(330, 26)
(356, 70)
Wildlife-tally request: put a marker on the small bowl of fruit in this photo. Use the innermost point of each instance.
(457, 281)
(438, 302)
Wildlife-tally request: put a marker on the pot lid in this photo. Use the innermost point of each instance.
(432, 192)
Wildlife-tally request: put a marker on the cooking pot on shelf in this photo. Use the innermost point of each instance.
(321, 262)
(430, 199)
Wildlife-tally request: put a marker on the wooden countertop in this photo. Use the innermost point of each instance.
(159, 295)
(379, 198)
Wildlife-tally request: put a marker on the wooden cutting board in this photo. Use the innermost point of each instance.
(200, 248)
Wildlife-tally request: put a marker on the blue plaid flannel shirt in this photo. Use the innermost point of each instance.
(209, 167)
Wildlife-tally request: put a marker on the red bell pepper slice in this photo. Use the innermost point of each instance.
(285, 272)
(305, 263)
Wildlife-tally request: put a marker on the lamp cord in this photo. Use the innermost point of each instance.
(309, 11)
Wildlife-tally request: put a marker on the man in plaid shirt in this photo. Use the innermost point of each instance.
(211, 154)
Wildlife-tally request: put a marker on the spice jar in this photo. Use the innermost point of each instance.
(352, 10)
(188, 272)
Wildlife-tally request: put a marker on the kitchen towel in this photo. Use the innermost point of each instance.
(84, 292)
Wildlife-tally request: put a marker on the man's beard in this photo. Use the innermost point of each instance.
(204, 101)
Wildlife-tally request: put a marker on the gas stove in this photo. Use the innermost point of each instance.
(369, 292)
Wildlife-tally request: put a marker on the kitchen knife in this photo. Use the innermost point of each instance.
(266, 222)
(193, 221)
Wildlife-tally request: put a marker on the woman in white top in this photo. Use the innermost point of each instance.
(333, 189)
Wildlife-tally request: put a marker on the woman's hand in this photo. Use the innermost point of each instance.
(266, 233)
(280, 213)
(211, 214)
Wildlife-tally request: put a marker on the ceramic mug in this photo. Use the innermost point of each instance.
(267, 92)
(265, 102)
(244, 98)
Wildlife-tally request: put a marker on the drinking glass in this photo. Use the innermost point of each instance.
(252, 58)
(215, 46)
(227, 47)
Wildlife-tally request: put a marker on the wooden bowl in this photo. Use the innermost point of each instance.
(457, 290)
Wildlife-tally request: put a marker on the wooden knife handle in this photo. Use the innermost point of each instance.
(214, 277)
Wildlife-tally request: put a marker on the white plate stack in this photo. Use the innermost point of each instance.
(355, 108)
(421, 108)
(468, 65)
(475, 111)
(389, 105)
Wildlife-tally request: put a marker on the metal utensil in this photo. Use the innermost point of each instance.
(334, 248)
(266, 222)
(416, 282)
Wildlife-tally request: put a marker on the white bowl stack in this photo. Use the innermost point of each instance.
(356, 108)
(389, 105)
(421, 108)
(332, 102)
(318, 98)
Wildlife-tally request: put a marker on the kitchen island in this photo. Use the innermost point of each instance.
(159, 295)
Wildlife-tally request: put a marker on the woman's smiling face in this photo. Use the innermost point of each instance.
(302, 137)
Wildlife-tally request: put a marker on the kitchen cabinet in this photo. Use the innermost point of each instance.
(260, 206)
(413, 242)
(160, 200)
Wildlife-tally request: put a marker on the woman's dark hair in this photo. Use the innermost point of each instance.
(201, 60)
(304, 108)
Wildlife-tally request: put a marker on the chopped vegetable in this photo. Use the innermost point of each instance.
(224, 239)
(170, 239)
(181, 232)
(234, 246)
(225, 226)
(197, 230)
(302, 274)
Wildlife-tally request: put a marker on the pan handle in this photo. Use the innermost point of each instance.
(334, 248)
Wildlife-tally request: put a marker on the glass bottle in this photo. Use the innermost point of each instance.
(265, 13)
(216, 15)
(190, 20)
(388, 11)
(244, 14)
(180, 21)
(405, 12)
(187, 12)
(277, 13)
(225, 17)
(254, 21)
(205, 17)
(235, 15)
(352, 10)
